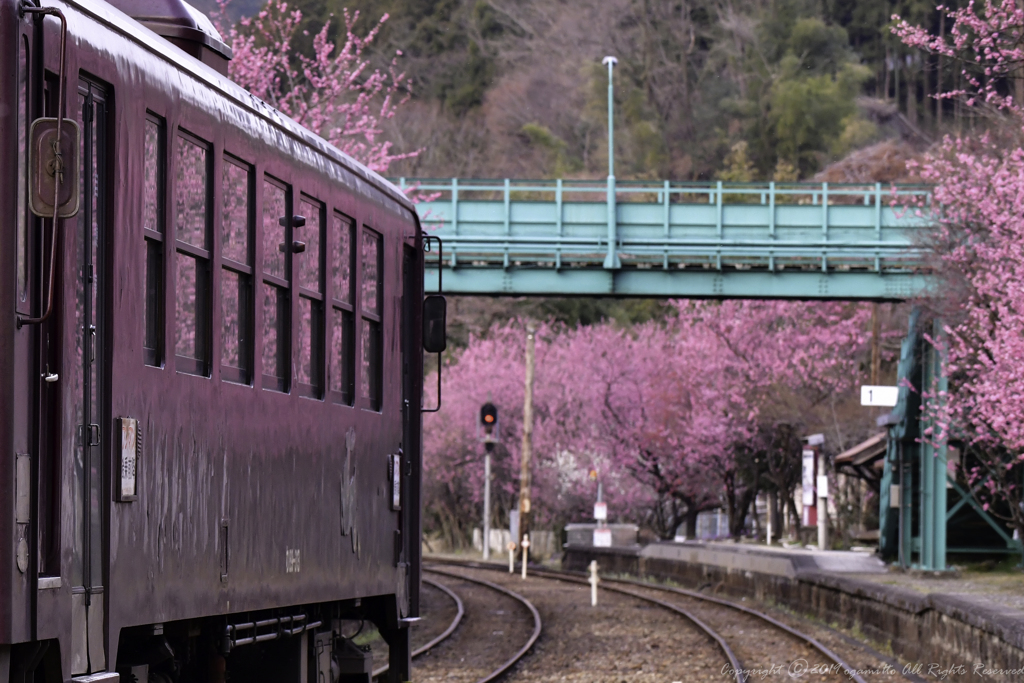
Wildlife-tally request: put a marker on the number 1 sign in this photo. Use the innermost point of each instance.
(884, 397)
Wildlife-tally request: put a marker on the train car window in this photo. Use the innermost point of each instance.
(342, 262)
(309, 259)
(153, 239)
(236, 272)
(371, 284)
(276, 225)
(275, 212)
(22, 237)
(192, 282)
(309, 364)
(342, 343)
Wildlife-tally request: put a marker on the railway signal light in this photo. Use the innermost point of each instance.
(489, 421)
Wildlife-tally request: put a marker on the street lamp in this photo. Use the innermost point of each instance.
(612, 259)
(610, 62)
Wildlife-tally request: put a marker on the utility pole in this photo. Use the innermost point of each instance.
(876, 352)
(527, 450)
(612, 259)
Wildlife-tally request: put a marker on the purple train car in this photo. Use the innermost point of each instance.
(212, 366)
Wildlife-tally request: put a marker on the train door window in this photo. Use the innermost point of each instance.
(371, 284)
(22, 244)
(276, 283)
(309, 266)
(236, 272)
(192, 283)
(153, 238)
(342, 336)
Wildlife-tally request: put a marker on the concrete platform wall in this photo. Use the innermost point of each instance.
(937, 629)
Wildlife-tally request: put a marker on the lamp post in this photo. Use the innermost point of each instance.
(612, 259)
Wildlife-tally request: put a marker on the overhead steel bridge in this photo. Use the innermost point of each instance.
(709, 240)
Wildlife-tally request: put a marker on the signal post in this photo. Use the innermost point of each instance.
(489, 422)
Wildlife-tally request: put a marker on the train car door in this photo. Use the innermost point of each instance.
(25, 376)
(86, 423)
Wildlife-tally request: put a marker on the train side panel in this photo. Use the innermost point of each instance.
(247, 497)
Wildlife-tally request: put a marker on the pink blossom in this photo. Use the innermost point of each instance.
(333, 93)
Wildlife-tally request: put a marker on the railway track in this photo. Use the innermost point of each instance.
(461, 612)
(750, 640)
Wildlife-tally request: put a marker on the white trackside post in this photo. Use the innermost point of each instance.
(526, 552)
(511, 557)
(593, 583)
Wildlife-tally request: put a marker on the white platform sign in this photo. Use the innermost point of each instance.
(602, 538)
(601, 511)
(822, 486)
(882, 397)
(807, 479)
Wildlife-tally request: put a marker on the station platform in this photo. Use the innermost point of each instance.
(766, 559)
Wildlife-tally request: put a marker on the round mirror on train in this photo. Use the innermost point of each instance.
(51, 164)
(435, 313)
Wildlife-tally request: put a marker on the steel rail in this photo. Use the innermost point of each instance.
(576, 578)
(734, 661)
(461, 611)
(515, 596)
(799, 635)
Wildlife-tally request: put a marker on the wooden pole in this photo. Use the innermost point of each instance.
(1018, 81)
(938, 73)
(876, 351)
(527, 450)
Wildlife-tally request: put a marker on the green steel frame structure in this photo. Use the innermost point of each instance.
(802, 241)
(916, 519)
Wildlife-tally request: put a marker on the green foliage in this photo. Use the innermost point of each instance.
(693, 80)
(802, 90)
(808, 113)
(857, 133)
(589, 311)
(738, 166)
(462, 86)
(540, 136)
(785, 172)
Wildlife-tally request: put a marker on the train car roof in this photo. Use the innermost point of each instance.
(116, 20)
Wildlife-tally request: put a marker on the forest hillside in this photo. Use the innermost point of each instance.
(736, 90)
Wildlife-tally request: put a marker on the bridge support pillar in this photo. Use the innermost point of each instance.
(916, 518)
(913, 506)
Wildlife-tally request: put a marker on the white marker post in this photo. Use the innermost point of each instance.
(511, 557)
(593, 583)
(822, 504)
(526, 552)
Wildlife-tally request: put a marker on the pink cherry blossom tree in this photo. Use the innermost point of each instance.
(334, 92)
(664, 411)
(979, 242)
(754, 358)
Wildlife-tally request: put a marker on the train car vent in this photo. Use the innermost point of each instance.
(183, 25)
